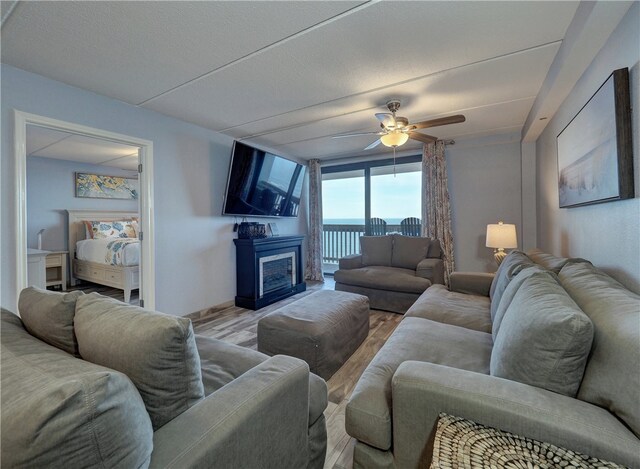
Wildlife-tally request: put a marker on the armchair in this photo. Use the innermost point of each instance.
(392, 271)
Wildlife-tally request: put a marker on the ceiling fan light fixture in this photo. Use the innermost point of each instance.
(394, 139)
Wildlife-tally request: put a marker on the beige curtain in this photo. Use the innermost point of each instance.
(314, 251)
(436, 210)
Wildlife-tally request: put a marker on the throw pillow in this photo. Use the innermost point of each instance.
(376, 250)
(408, 251)
(510, 266)
(49, 316)
(156, 351)
(544, 339)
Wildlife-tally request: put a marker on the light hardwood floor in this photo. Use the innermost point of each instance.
(239, 326)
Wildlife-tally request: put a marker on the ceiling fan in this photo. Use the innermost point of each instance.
(396, 130)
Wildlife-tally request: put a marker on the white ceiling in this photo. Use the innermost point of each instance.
(288, 75)
(50, 143)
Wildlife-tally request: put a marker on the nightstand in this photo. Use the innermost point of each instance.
(56, 264)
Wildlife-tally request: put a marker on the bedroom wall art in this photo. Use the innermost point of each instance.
(595, 156)
(106, 187)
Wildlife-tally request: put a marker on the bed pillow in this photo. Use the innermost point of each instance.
(111, 229)
(156, 351)
(49, 316)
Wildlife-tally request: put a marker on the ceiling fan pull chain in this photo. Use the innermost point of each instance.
(394, 162)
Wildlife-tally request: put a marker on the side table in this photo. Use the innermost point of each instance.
(56, 265)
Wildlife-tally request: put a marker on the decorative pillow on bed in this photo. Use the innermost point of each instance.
(111, 229)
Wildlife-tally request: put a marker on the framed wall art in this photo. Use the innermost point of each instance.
(595, 154)
(106, 187)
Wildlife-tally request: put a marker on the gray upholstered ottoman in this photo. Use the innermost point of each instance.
(323, 329)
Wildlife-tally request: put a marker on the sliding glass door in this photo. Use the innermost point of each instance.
(373, 198)
(343, 215)
(396, 199)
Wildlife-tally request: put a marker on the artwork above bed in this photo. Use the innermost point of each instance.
(106, 187)
(104, 248)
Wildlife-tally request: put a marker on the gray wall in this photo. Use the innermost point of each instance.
(485, 186)
(51, 191)
(195, 255)
(606, 234)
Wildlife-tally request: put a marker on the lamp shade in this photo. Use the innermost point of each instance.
(501, 235)
(394, 139)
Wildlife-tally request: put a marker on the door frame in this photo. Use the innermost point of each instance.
(147, 246)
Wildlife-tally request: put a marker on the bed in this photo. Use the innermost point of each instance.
(88, 261)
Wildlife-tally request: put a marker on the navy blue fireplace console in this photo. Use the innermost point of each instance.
(268, 270)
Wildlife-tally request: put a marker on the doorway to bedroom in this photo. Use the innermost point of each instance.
(86, 211)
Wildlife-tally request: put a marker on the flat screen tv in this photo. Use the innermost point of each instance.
(262, 184)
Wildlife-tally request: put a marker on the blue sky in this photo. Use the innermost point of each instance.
(391, 198)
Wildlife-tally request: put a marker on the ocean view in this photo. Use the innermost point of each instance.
(357, 221)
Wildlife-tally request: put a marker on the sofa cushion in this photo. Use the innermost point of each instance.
(383, 278)
(408, 251)
(459, 309)
(60, 411)
(510, 266)
(223, 362)
(511, 290)
(546, 260)
(49, 316)
(544, 339)
(611, 378)
(368, 414)
(376, 250)
(435, 250)
(156, 351)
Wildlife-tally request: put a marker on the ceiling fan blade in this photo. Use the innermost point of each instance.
(374, 144)
(386, 119)
(356, 134)
(437, 122)
(422, 137)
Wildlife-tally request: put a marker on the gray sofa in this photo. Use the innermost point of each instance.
(88, 381)
(548, 349)
(392, 270)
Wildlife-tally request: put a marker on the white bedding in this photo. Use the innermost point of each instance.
(95, 250)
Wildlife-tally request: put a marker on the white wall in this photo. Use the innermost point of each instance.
(195, 255)
(485, 186)
(51, 191)
(607, 234)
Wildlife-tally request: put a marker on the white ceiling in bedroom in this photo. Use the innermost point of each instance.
(49, 143)
(289, 75)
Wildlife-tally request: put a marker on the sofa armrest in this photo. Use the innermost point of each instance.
(353, 261)
(421, 391)
(258, 420)
(472, 283)
(432, 269)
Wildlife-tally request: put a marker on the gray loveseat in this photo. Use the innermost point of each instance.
(392, 270)
(88, 381)
(549, 349)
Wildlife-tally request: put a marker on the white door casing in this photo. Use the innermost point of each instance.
(147, 247)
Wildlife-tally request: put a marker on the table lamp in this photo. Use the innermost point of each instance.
(501, 236)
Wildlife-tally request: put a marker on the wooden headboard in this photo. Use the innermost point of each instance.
(77, 228)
